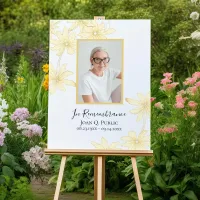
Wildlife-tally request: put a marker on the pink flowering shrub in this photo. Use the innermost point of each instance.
(23, 142)
(20, 153)
(179, 101)
(175, 137)
(36, 159)
(33, 130)
(158, 105)
(2, 136)
(29, 130)
(167, 84)
(168, 129)
(20, 114)
(29, 133)
(191, 113)
(3, 125)
(180, 108)
(192, 104)
(173, 171)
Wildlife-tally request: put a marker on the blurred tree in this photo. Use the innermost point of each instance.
(169, 21)
(27, 21)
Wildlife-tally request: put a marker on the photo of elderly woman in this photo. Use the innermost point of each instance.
(97, 84)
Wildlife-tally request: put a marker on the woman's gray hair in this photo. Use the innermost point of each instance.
(96, 49)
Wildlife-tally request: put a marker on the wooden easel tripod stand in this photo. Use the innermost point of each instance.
(99, 168)
(99, 165)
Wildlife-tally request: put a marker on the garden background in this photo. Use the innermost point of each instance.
(173, 173)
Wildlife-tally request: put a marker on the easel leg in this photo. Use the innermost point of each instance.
(137, 179)
(99, 178)
(60, 176)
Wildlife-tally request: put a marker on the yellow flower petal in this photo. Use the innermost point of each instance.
(96, 145)
(133, 142)
(70, 83)
(109, 31)
(132, 134)
(96, 31)
(66, 40)
(132, 101)
(137, 110)
(71, 50)
(139, 117)
(104, 144)
(142, 106)
(58, 78)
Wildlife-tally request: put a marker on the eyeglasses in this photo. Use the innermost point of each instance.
(99, 60)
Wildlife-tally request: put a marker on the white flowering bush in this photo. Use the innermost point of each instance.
(29, 133)
(3, 74)
(195, 36)
(36, 159)
(3, 125)
(194, 15)
(26, 134)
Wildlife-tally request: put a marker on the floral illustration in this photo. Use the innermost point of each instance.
(96, 31)
(134, 142)
(104, 144)
(81, 24)
(53, 26)
(142, 106)
(66, 41)
(58, 78)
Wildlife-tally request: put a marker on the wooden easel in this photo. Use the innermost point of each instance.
(99, 178)
(99, 163)
(99, 167)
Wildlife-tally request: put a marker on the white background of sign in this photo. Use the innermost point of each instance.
(62, 130)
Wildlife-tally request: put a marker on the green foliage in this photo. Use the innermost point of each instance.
(9, 167)
(79, 173)
(13, 160)
(3, 193)
(169, 20)
(10, 187)
(21, 190)
(164, 181)
(3, 74)
(26, 91)
(115, 179)
(173, 172)
(17, 189)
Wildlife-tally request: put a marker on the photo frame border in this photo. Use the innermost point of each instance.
(122, 70)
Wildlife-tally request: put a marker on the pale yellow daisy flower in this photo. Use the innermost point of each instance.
(58, 78)
(104, 144)
(134, 142)
(142, 106)
(96, 31)
(66, 41)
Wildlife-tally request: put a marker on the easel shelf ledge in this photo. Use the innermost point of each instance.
(102, 152)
